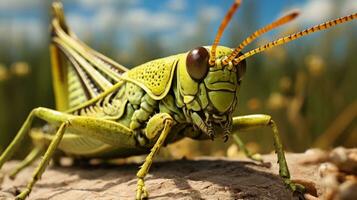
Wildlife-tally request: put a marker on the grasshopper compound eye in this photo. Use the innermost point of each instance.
(197, 63)
(241, 67)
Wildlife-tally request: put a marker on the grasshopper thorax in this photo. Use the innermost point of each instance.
(209, 91)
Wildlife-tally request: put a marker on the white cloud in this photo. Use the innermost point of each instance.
(167, 25)
(318, 11)
(177, 5)
(188, 29)
(93, 4)
(349, 7)
(185, 31)
(315, 11)
(101, 20)
(11, 5)
(211, 13)
(79, 24)
(140, 19)
(105, 18)
(21, 30)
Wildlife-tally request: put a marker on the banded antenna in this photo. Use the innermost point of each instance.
(280, 21)
(221, 28)
(295, 36)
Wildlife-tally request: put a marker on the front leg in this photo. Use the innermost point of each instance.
(255, 121)
(159, 125)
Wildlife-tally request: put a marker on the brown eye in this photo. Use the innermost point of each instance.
(241, 67)
(197, 63)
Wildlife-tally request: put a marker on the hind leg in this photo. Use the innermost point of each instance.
(52, 116)
(44, 162)
(106, 131)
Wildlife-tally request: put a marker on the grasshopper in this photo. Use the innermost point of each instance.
(104, 110)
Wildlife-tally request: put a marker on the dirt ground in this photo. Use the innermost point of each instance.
(202, 178)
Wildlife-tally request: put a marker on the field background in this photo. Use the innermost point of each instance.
(308, 86)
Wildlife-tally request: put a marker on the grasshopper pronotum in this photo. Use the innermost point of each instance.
(104, 110)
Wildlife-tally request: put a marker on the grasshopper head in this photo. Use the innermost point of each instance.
(220, 80)
(209, 90)
(209, 77)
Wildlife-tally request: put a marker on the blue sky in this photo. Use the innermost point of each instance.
(170, 21)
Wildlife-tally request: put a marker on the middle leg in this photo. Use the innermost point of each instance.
(242, 147)
(30, 158)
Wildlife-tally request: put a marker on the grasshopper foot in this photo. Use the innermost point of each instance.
(256, 157)
(141, 192)
(13, 174)
(297, 189)
(1, 177)
(23, 194)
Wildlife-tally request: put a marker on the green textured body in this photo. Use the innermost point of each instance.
(104, 110)
(133, 100)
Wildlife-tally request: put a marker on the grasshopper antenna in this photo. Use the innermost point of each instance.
(295, 36)
(282, 20)
(221, 28)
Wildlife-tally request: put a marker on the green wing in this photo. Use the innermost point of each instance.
(79, 72)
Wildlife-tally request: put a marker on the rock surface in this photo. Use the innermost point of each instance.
(203, 178)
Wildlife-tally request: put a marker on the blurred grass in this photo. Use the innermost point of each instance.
(306, 87)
